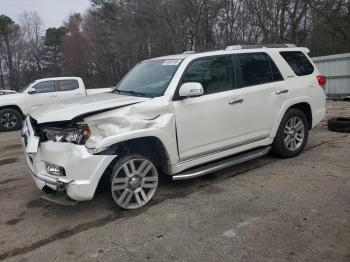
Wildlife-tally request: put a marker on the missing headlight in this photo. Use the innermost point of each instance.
(76, 135)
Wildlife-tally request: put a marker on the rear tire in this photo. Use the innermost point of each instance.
(292, 134)
(10, 120)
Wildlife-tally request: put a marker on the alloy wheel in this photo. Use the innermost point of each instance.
(294, 133)
(134, 183)
(8, 120)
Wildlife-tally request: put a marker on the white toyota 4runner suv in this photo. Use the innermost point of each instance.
(182, 115)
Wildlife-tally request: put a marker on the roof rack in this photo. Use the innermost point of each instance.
(189, 52)
(239, 47)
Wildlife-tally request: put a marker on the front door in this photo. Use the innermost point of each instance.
(45, 93)
(213, 121)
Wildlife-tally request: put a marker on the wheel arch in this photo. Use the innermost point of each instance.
(15, 107)
(137, 145)
(306, 109)
(148, 145)
(302, 105)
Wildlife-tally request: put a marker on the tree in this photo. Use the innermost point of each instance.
(32, 33)
(7, 30)
(54, 38)
(76, 49)
(113, 35)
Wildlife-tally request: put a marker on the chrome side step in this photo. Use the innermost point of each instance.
(221, 164)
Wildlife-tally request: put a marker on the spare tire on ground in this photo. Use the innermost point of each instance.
(339, 124)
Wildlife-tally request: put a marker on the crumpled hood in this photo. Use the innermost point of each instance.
(72, 108)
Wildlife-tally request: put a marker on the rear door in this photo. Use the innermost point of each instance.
(263, 90)
(68, 88)
(45, 93)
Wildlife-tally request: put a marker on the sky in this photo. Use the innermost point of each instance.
(52, 12)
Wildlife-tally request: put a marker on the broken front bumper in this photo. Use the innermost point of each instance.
(82, 169)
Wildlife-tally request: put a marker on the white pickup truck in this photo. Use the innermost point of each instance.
(15, 105)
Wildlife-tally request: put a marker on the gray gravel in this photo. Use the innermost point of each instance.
(268, 209)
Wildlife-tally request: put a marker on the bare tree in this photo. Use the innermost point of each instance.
(114, 35)
(32, 33)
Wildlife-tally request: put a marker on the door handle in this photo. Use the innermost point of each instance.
(236, 101)
(284, 91)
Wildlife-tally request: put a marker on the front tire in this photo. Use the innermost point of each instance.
(10, 120)
(292, 134)
(134, 181)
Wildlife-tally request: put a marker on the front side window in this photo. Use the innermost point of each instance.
(298, 62)
(257, 68)
(68, 85)
(213, 73)
(149, 78)
(45, 87)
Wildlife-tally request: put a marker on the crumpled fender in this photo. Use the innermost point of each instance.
(151, 118)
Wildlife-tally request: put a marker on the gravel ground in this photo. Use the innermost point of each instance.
(268, 209)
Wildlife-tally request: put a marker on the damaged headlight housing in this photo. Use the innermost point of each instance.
(76, 135)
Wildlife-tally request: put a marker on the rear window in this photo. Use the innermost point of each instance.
(298, 62)
(67, 85)
(257, 68)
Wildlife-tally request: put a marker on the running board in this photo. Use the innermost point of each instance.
(221, 164)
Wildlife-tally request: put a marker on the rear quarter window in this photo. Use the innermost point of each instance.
(299, 63)
(257, 68)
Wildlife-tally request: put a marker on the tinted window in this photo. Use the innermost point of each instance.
(67, 85)
(298, 62)
(45, 87)
(213, 73)
(257, 68)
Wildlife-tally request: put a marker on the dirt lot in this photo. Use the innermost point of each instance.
(267, 209)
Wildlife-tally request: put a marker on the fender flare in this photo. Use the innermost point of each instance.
(287, 105)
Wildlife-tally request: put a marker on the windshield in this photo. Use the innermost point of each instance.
(149, 78)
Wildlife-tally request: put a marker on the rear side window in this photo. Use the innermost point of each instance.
(257, 68)
(298, 62)
(67, 85)
(45, 87)
(213, 73)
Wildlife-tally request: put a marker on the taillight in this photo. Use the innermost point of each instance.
(322, 80)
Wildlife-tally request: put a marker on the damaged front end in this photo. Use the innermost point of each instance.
(70, 156)
(65, 132)
(59, 161)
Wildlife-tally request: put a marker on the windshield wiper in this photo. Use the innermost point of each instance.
(132, 92)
